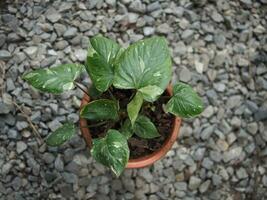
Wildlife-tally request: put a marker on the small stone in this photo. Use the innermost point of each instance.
(137, 6)
(73, 117)
(5, 55)
(208, 112)
(60, 29)
(187, 34)
(194, 182)
(60, 45)
(59, 164)
(52, 15)
(185, 75)
(252, 128)
(80, 54)
(48, 158)
(164, 28)
(31, 51)
(148, 31)
(231, 138)
(180, 177)
(199, 66)
(13, 134)
(180, 186)
(199, 154)
(216, 17)
(234, 101)
(2, 39)
(70, 33)
(236, 122)
(215, 156)
(248, 2)
(206, 133)
(47, 62)
(132, 17)
(264, 180)
(20, 147)
(216, 179)
(261, 114)
(6, 168)
(242, 62)
(222, 145)
(219, 40)
(20, 125)
(241, 173)
(207, 163)
(153, 6)
(219, 87)
(54, 125)
(4, 108)
(16, 183)
(232, 154)
(204, 186)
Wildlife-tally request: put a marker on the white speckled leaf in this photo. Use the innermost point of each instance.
(145, 128)
(185, 102)
(134, 106)
(55, 79)
(61, 135)
(101, 58)
(112, 151)
(102, 109)
(151, 92)
(145, 63)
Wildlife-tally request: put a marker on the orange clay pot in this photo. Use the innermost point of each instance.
(143, 161)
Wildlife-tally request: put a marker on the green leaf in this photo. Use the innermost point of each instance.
(151, 92)
(185, 101)
(112, 151)
(144, 128)
(55, 79)
(101, 58)
(61, 135)
(127, 129)
(102, 109)
(145, 63)
(93, 92)
(134, 106)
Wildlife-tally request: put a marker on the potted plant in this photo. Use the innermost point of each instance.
(130, 116)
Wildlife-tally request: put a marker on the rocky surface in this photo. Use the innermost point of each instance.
(220, 47)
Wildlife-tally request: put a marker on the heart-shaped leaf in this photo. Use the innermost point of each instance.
(145, 63)
(185, 102)
(54, 79)
(134, 106)
(61, 135)
(112, 151)
(151, 92)
(102, 109)
(127, 129)
(144, 128)
(101, 57)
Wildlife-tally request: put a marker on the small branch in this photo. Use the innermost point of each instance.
(35, 131)
(78, 86)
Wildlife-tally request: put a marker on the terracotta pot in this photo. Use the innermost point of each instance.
(144, 160)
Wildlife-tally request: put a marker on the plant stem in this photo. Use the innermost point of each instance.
(95, 125)
(78, 86)
(111, 95)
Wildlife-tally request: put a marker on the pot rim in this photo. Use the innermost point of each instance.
(146, 160)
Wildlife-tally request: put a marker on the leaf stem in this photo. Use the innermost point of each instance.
(78, 86)
(95, 125)
(111, 95)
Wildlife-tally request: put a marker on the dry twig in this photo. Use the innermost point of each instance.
(35, 131)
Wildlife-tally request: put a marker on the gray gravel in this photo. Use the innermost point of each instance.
(219, 47)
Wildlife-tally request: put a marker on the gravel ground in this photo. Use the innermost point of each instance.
(220, 47)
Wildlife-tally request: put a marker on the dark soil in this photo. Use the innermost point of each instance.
(138, 146)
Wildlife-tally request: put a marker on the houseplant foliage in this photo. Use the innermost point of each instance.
(144, 67)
